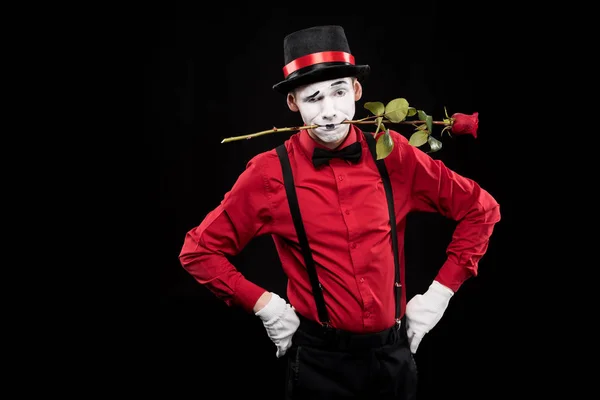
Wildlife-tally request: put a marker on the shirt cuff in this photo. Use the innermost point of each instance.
(247, 294)
(453, 275)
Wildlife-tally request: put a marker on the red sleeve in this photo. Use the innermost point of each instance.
(243, 214)
(436, 188)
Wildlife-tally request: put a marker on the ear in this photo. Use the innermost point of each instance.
(357, 90)
(291, 102)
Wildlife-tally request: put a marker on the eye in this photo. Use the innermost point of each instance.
(340, 93)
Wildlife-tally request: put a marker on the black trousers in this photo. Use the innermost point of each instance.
(333, 364)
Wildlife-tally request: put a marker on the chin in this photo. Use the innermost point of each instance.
(330, 136)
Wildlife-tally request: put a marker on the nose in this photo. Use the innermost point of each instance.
(328, 113)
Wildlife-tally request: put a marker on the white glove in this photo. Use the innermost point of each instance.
(280, 321)
(424, 311)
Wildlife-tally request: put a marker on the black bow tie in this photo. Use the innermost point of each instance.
(351, 153)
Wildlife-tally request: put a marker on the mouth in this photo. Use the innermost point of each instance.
(329, 127)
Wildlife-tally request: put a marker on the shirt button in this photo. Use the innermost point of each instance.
(341, 177)
(353, 245)
(347, 212)
(362, 280)
(367, 314)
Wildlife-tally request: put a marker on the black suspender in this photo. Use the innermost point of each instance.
(390, 201)
(290, 189)
(303, 240)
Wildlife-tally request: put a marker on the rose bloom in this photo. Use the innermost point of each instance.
(465, 124)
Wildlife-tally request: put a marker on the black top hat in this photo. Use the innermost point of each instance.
(317, 54)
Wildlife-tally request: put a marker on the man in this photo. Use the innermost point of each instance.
(347, 330)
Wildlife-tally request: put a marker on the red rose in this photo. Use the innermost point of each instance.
(464, 124)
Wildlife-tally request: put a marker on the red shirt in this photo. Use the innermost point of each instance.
(345, 214)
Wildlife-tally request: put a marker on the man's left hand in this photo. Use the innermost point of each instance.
(281, 322)
(424, 311)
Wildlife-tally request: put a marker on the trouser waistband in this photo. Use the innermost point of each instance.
(314, 334)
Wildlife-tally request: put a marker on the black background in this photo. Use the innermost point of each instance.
(208, 75)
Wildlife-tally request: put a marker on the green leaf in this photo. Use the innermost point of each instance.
(378, 120)
(418, 138)
(385, 145)
(376, 107)
(434, 144)
(427, 118)
(396, 110)
(381, 131)
(429, 121)
(411, 111)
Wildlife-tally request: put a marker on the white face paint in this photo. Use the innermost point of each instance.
(327, 103)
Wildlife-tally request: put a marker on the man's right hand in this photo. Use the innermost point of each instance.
(280, 321)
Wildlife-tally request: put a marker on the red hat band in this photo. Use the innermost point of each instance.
(317, 58)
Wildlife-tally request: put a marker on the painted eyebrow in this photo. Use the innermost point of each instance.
(311, 96)
(339, 83)
(317, 92)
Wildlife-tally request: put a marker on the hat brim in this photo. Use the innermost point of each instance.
(324, 73)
